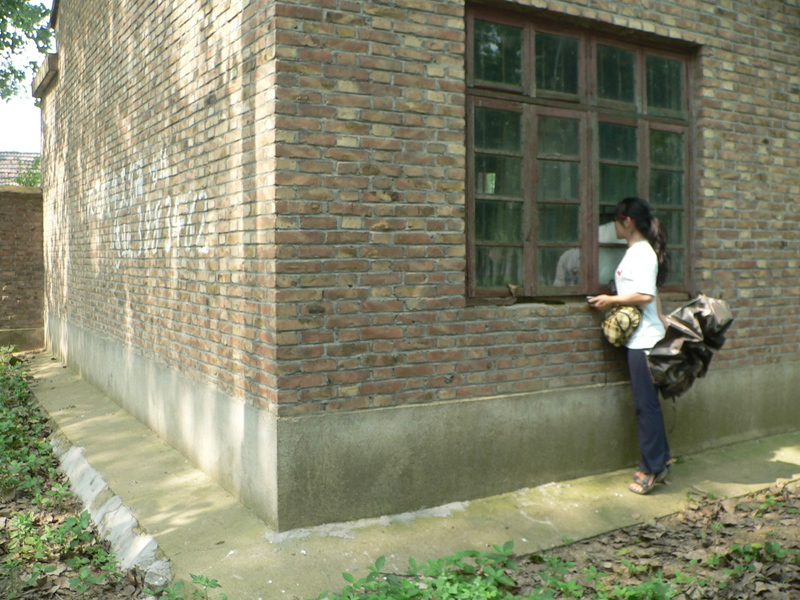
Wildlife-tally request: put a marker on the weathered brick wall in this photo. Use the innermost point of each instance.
(265, 201)
(274, 198)
(156, 143)
(371, 198)
(370, 181)
(748, 222)
(22, 270)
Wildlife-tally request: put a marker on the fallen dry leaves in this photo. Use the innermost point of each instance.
(56, 577)
(746, 547)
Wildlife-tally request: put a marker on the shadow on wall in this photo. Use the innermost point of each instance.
(124, 200)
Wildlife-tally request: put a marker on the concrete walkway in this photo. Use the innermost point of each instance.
(147, 495)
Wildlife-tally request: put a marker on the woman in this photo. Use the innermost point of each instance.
(643, 268)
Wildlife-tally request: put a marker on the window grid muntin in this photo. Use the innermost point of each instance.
(588, 102)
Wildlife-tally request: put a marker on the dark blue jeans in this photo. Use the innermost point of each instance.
(649, 419)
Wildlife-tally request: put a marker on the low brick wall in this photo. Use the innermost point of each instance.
(21, 268)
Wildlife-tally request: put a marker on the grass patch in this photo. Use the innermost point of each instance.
(49, 547)
(46, 546)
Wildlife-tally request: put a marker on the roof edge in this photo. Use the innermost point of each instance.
(45, 76)
(54, 14)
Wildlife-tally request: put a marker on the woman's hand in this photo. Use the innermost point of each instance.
(602, 302)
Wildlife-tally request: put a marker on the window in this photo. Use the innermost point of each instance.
(562, 125)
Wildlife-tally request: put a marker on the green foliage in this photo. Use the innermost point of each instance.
(32, 176)
(27, 463)
(33, 546)
(85, 577)
(28, 468)
(171, 592)
(473, 575)
(769, 503)
(23, 23)
(202, 585)
(468, 575)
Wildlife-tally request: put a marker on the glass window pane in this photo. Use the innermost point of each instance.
(617, 183)
(498, 129)
(498, 221)
(559, 223)
(558, 137)
(497, 267)
(666, 148)
(607, 214)
(666, 187)
(559, 266)
(672, 222)
(498, 53)
(664, 88)
(607, 260)
(618, 142)
(558, 180)
(557, 63)
(498, 175)
(616, 69)
(675, 276)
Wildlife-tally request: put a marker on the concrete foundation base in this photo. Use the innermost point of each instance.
(232, 442)
(301, 471)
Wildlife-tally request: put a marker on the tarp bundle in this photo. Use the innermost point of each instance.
(696, 331)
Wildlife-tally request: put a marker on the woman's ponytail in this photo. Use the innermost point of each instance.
(651, 228)
(657, 237)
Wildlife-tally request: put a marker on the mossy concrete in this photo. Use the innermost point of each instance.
(307, 470)
(366, 463)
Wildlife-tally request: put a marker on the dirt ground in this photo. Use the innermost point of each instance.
(56, 583)
(745, 547)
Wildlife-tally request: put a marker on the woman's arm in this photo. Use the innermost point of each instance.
(604, 301)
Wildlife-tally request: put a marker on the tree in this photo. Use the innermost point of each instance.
(32, 176)
(22, 24)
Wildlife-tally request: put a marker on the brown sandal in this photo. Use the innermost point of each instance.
(644, 485)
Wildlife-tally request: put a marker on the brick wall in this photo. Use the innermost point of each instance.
(371, 176)
(273, 198)
(369, 189)
(748, 223)
(22, 270)
(159, 234)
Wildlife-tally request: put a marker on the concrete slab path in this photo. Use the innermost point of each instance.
(149, 495)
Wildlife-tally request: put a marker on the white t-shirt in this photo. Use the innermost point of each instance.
(636, 273)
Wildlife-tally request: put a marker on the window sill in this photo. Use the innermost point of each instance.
(559, 300)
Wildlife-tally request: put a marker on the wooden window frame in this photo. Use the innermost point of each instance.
(590, 110)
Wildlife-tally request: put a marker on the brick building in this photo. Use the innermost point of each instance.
(284, 234)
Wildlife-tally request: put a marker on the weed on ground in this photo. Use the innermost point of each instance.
(48, 545)
(716, 549)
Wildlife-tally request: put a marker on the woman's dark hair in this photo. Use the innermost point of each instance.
(650, 227)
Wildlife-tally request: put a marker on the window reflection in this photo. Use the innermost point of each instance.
(559, 267)
(557, 63)
(498, 53)
(616, 70)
